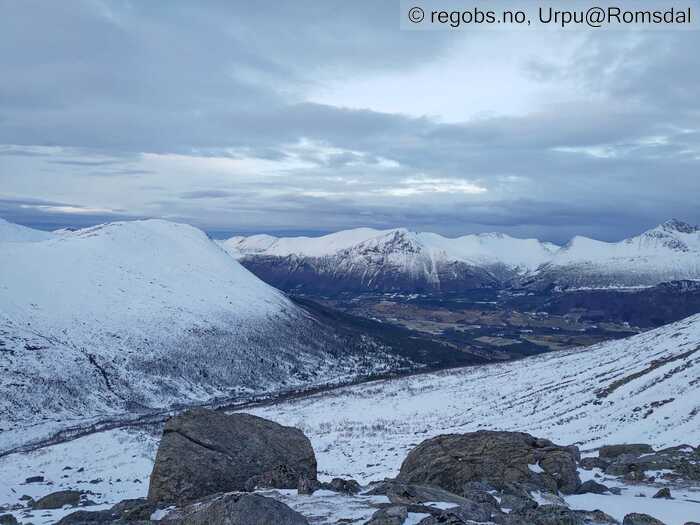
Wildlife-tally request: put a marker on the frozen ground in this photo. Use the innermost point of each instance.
(641, 389)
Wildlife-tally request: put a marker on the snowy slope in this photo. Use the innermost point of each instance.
(10, 232)
(128, 316)
(643, 389)
(671, 251)
(405, 261)
(389, 260)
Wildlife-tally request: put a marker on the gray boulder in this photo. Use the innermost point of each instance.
(613, 451)
(394, 515)
(204, 452)
(641, 519)
(132, 511)
(498, 458)
(8, 519)
(664, 493)
(237, 509)
(593, 462)
(592, 487)
(57, 500)
(473, 512)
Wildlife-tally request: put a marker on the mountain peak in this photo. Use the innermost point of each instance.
(674, 225)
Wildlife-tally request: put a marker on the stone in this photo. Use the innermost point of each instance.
(641, 519)
(592, 487)
(344, 486)
(664, 493)
(306, 486)
(57, 500)
(613, 451)
(34, 479)
(8, 519)
(393, 515)
(204, 452)
(591, 463)
(237, 509)
(130, 511)
(497, 458)
(550, 515)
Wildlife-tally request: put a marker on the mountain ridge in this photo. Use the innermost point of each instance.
(399, 260)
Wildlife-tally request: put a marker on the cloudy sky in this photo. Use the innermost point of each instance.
(308, 117)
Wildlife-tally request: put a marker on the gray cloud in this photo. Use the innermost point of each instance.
(126, 91)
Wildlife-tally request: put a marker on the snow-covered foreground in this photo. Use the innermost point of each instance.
(641, 389)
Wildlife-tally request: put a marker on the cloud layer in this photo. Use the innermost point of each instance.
(315, 116)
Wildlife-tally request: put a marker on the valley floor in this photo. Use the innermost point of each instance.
(643, 389)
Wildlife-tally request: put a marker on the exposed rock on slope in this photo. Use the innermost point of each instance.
(497, 458)
(203, 452)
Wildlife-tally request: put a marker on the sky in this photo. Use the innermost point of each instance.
(307, 117)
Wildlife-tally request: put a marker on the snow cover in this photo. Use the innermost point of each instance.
(671, 251)
(640, 389)
(488, 248)
(10, 232)
(130, 316)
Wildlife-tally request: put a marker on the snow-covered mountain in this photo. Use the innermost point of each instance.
(388, 260)
(669, 252)
(404, 261)
(129, 316)
(10, 232)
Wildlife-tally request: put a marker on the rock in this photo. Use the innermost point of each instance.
(592, 487)
(640, 519)
(281, 476)
(664, 493)
(463, 514)
(613, 451)
(479, 496)
(517, 503)
(237, 509)
(498, 458)
(130, 511)
(57, 500)
(204, 452)
(34, 479)
(394, 515)
(408, 494)
(9, 519)
(591, 463)
(306, 486)
(550, 515)
(344, 486)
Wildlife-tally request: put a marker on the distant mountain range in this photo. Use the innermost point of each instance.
(399, 260)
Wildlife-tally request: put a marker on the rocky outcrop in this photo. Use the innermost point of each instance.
(237, 509)
(640, 519)
(613, 451)
(57, 500)
(204, 452)
(497, 458)
(393, 515)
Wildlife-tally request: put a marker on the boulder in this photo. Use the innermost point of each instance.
(613, 451)
(472, 512)
(57, 500)
(237, 509)
(204, 452)
(394, 515)
(592, 487)
(344, 486)
(550, 515)
(497, 458)
(664, 493)
(34, 479)
(591, 463)
(640, 519)
(130, 511)
(410, 494)
(9, 519)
